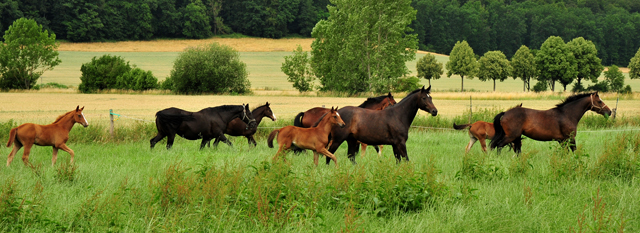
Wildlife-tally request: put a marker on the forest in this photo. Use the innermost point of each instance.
(505, 25)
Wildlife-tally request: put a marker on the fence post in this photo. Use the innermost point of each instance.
(470, 109)
(111, 119)
(615, 110)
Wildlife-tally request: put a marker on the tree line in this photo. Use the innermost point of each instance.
(487, 25)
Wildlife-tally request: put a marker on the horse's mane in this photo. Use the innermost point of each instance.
(319, 120)
(62, 116)
(223, 108)
(407, 97)
(573, 98)
(373, 100)
(264, 105)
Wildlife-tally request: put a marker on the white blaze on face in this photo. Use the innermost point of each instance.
(274, 116)
(85, 119)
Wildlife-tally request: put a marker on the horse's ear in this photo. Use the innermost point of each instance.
(78, 108)
(267, 103)
(390, 94)
(82, 108)
(246, 107)
(428, 89)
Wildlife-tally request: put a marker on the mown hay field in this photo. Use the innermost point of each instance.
(262, 56)
(43, 108)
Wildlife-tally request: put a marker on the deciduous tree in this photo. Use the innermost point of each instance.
(27, 52)
(634, 66)
(429, 68)
(588, 64)
(523, 66)
(298, 70)
(614, 78)
(493, 65)
(462, 61)
(363, 45)
(555, 62)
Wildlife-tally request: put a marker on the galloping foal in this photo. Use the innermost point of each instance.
(314, 138)
(55, 134)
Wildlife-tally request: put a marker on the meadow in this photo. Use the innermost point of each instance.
(122, 185)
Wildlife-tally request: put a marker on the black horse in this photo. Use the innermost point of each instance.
(389, 126)
(206, 124)
(238, 127)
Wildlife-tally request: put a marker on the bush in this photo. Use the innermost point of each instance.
(212, 68)
(137, 79)
(102, 73)
(540, 86)
(407, 84)
(166, 84)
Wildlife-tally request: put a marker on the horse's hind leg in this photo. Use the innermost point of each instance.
(472, 141)
(352, 150)
(16, 147)
(156, 139)
(517, 146)
(170, 139)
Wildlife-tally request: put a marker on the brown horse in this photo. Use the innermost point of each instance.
(237, 127)
(315, 138)
(310, 117)
(55, 135)
(479, 131)
(384, 127)
(556, 124)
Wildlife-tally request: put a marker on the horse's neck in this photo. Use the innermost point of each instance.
(405, 111)
(324, 125)
(576, 109)
(66, 122)
(258, 114)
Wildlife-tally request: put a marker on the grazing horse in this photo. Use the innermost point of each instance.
(479, 131)
(55, 135)
(312, 116)
(557, 124)
(237, 127)
(315, 138)
(206, 124)
(384, 127)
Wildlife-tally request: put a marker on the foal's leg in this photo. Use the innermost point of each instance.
(16, 147)
(25, 154)
(64, 147)
(472, 141)
(378, 149)
(329, 155)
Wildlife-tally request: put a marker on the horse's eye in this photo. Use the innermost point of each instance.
(80, 116)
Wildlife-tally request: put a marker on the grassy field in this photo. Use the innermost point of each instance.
(262, 56)
(126, 187)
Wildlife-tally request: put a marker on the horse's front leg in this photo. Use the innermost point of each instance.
(251, 141)
(204, 142)
(64, 148)
(328, 154)
(352, 150)
(225, 140)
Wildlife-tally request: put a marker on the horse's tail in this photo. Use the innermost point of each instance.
(272, 135)
(459, 127)
(12, 136)
(499, 135)
(297, 121)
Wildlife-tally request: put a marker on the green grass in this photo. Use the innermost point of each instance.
(122, 185)
(264, 71)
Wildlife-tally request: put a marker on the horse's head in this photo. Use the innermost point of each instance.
(389, 101)
(598, 106)
(247, 117)
(334, 118)
(268, 113)
(425, 102)
(78, 116)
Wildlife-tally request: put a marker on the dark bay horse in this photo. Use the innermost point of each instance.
(312, 116)
(389, 126)
(237, 127)
(206, 124)
(480, 131)
(315, 138)
(556, 124)
(55, 135)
